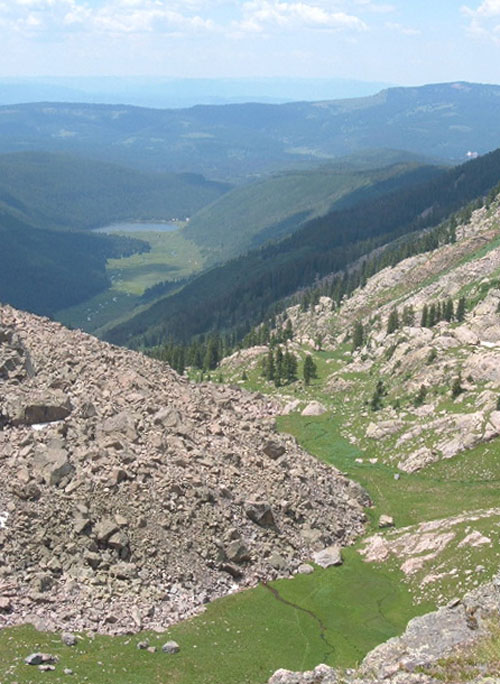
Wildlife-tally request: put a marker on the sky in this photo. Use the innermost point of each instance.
(406, 42)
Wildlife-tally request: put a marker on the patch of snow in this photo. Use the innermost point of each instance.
(488, 345)
(4, 516)
(42, 426)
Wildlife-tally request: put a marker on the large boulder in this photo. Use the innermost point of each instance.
(314, 408)
(47, 407)
(53, 466)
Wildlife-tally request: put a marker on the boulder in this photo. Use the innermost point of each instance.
(105, 529)
(237, 551)
(69, 639)
(171, 647)
(260, 513)
(305, 569)
(273, 450)
(53, 466)
(385, 521)
(328, 557)
(41, 659)
(48, 408)
(314, 408)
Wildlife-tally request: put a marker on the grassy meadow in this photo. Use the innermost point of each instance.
(171, 257)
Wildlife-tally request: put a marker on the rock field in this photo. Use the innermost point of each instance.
(131, 497)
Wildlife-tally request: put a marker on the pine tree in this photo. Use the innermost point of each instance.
(211, 358)
(420, 398)
(288, 331)
(408, 316)
(278, 374)
(432, 319)
(376, 400)
(424, 322)
(456, 387)
(290, 366)
(460, 313)
(448, 311)
(269, 368)
(393, 321)
(309, 370)
(358, 335)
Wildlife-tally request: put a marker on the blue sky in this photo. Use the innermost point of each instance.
(406, 42)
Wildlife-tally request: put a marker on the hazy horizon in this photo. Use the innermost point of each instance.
(364, 40)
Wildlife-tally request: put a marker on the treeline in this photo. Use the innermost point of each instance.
(236, 296)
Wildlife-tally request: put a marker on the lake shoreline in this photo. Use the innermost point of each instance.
(139, 227)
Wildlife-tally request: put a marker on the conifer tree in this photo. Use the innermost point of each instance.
(211, 358)
(456, 387)
(358, 335)
(278, 374)
(309, 370)
(408, 316)
(448, 311)
(376, 400)
(290, 366)
(288, 331)
(432, 319)
(420, 398)
(424, 321)
(393, 321)
(460, 313)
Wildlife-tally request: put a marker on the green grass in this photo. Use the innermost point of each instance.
(241, 639)
(98, 311)
(172, 256)
(470, 481)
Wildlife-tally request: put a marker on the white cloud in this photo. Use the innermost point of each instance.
(403, 30)
(110, 16)
(268, 15)
(484, 20)
(375, 6)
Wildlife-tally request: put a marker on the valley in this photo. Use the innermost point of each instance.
(441, 560)
(322, 471)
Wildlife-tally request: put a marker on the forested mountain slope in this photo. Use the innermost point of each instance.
(239, 292)
(61, 191)
(43, 271)
(276, 206)
(236, 141)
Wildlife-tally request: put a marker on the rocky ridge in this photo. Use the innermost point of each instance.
(132, 497)
(407, 434)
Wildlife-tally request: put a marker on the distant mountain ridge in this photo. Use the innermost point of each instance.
(234, 142)
(179, 92)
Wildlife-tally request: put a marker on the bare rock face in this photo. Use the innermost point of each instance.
(133, 497)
